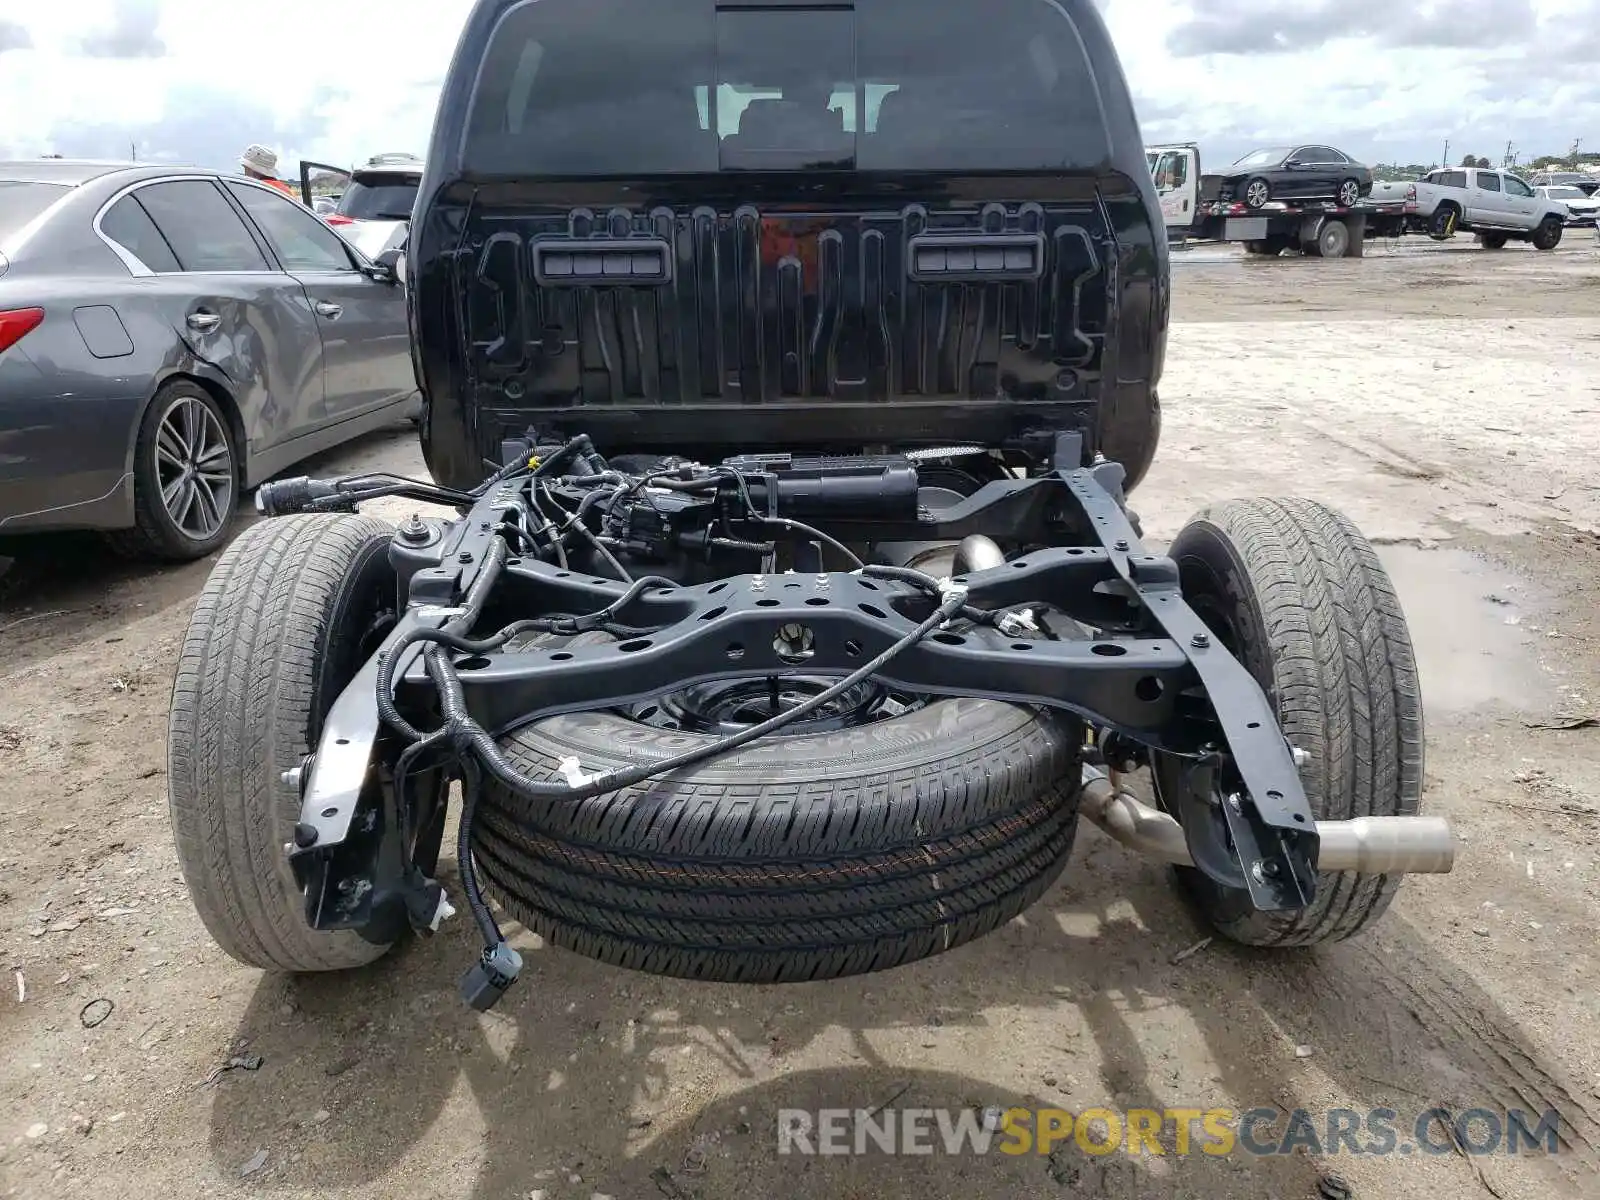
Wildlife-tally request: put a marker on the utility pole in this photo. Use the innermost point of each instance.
(1511, 155)
(1445, 161)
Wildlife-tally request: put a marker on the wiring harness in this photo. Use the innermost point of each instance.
(556, 506)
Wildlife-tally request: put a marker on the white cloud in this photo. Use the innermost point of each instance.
(336, 80)
(1385, 80)
(323, 79)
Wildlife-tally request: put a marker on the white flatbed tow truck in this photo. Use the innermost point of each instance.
(1314, 228)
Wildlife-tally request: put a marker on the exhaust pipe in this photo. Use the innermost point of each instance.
(1370, 845)
(977, 553)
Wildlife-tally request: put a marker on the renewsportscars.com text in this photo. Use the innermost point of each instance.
(1218, 1132)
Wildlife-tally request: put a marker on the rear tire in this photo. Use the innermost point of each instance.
(1256, 193)
(1492, 241)
(1349, 194)
(1333, 240)
(1295, 591)
(803, 857)
(1442, 225)
(276, 635)
(185, 458)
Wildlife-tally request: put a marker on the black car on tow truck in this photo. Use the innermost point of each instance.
(787, 366)
(1198, 207)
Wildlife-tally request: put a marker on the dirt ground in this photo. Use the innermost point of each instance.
(1447, 398)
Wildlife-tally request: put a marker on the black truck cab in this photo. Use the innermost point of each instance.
(704, 229)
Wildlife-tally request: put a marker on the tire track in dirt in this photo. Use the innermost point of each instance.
(1453, 1013)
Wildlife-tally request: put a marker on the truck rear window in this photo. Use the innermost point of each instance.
(631, 88)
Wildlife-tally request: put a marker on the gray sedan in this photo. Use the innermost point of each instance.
(170, 338)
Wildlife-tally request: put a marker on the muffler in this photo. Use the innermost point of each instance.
(1371, 845)
(977, 553)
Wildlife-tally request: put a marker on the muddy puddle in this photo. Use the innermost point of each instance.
(1476, 630)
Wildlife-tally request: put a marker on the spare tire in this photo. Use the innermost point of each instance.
(799, 857)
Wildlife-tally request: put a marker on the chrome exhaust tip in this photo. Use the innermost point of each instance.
(1371, 845)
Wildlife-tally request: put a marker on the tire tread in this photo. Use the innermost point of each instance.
(1344, 676)
(241, 714)
(814, 857)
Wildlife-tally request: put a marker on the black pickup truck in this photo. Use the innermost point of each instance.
(897, 225)
(786, 367)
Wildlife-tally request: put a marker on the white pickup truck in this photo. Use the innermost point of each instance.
(1495, 205)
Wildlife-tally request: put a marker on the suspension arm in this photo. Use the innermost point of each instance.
(1135, 654)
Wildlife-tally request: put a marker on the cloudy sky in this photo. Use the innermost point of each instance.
(334, 80)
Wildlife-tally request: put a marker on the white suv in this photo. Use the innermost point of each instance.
(374, 209)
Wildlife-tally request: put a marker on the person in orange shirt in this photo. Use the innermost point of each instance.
(261, 163)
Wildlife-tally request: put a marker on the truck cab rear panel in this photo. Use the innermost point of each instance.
(909, 323)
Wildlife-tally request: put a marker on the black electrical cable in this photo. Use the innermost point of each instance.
(575, 523)
(812, 532)
(471, 790)
(520, 465)
(590, 499)
(507, 530)
(600, 549)
(477, 595)
(389, 656)
(635, 590)
(407, 761)
(736, 544)
(742, 486)
(755, 514)
(927, 583)
(557, 539)
(467, 734)
(917, 579)
(579, 446)
(389, 478)
(346, 501)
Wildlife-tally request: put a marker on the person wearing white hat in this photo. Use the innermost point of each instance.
(261, 163)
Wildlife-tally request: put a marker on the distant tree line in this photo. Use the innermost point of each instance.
(1545, 162)
(1398, 172)
(1568, 162)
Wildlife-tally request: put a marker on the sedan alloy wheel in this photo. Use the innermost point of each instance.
(195, 468)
